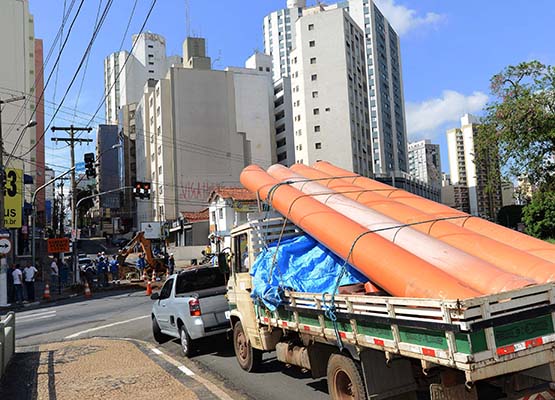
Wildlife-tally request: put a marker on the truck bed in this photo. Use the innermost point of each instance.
(484, 336)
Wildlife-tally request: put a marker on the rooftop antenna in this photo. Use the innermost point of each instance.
(188, 18)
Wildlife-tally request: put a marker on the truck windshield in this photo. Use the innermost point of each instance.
(199, 279)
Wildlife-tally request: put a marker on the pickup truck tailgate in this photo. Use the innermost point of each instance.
(213, 306)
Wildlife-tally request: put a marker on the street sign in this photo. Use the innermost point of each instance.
(152, 230)
(13, 198)
(58, 245)
(5, 246)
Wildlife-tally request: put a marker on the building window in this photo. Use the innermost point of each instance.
(221, 213)
(150, 71)
(150, 46)
(317, 128)
(315, 95)
(314, 77)
(310, 27)
(316, 111)
(312, 43)
(160, 170)
(318, 145)
(151, 56)
(313, 60)
(328, 109)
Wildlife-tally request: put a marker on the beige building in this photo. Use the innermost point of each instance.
(465, 171)
(197, 128)
(329, 91)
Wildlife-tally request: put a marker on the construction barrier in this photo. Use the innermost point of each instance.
(7, 341)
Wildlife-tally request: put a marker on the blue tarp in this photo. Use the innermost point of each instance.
(302, 265)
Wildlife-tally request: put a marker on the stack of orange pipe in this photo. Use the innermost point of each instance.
(394, 269)
(407, 210)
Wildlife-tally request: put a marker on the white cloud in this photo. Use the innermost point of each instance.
(427, 116)
(404, 19)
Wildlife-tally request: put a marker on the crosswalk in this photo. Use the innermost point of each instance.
(32, 316)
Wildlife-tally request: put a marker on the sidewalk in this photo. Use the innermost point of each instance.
(98, 369)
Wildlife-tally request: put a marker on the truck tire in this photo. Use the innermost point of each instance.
(186, 342)
(345, 379)
(248, 358)
(159, 337)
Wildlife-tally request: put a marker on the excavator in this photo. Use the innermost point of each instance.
(152, 262)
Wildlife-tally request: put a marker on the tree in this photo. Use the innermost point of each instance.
(539, 215)
(520, 123)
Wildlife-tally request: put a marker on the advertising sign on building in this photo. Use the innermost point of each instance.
(152, 230)
(13, 198)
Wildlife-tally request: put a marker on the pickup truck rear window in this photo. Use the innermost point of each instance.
(200, 279)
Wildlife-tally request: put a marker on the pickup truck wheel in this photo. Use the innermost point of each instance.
(186, 342)
(157, 333)
(248, 358)
(345, 379)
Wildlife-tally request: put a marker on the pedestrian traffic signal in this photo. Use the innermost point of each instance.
(90, 169)
(141, 190)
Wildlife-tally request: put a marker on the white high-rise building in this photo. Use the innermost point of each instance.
(385, 88)
(425, 162)
(124, 81)
(385, 100)
(465, 171)
(330, 119)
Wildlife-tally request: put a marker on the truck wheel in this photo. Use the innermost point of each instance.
(344, 379)
(156, 332)
(248, 358)
(186, 342)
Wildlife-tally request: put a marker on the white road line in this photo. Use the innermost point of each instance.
(105, 326)
(203, 381)
(18, 321)
(35, 314)
(186, 370)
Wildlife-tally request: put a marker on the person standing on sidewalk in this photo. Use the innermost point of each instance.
(114, 269)
(30, 272)
(171, 264)
(17, 284)
(11, 289)
(55, 275)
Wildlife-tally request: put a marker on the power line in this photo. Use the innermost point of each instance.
(49, 77)
(81, 63)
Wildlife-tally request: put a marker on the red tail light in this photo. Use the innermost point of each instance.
(194, 308)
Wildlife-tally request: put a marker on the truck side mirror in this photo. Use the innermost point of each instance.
(155, 296)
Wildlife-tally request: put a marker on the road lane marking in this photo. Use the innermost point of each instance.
(37, 318)
(35, 314)
(34, 317)
(98, 328)
(216, 391)
(186, 370)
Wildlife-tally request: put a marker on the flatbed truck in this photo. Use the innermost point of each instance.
(381, 347)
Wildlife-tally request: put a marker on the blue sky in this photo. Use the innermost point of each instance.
(450, 49)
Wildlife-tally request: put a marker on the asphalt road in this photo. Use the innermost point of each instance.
(127, 315)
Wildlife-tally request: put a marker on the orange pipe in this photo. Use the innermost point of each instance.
(503, 256)
(389, 266)
(538, 248)
(459, 264)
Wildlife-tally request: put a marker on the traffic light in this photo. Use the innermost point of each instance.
(141, 190)
(90, 169)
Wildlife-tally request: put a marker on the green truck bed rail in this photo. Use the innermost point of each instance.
(483, 337)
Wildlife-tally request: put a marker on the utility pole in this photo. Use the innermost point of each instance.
(61, 214)
(71, 140)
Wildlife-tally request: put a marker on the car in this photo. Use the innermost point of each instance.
(191, 305)
(120, 242)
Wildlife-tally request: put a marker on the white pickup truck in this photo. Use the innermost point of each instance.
(191, 305)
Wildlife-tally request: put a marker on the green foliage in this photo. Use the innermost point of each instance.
(539, 215)
(520, 122)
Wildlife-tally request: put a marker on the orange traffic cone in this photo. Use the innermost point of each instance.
(87, 290)
(46, 295)
(144, 275)
(148, 289)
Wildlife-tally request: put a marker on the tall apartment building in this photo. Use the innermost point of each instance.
(21, 73)
(425, 162)
(385, 99)
(124, 81)
(467, 171)
(197, 128)
(330, 117)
